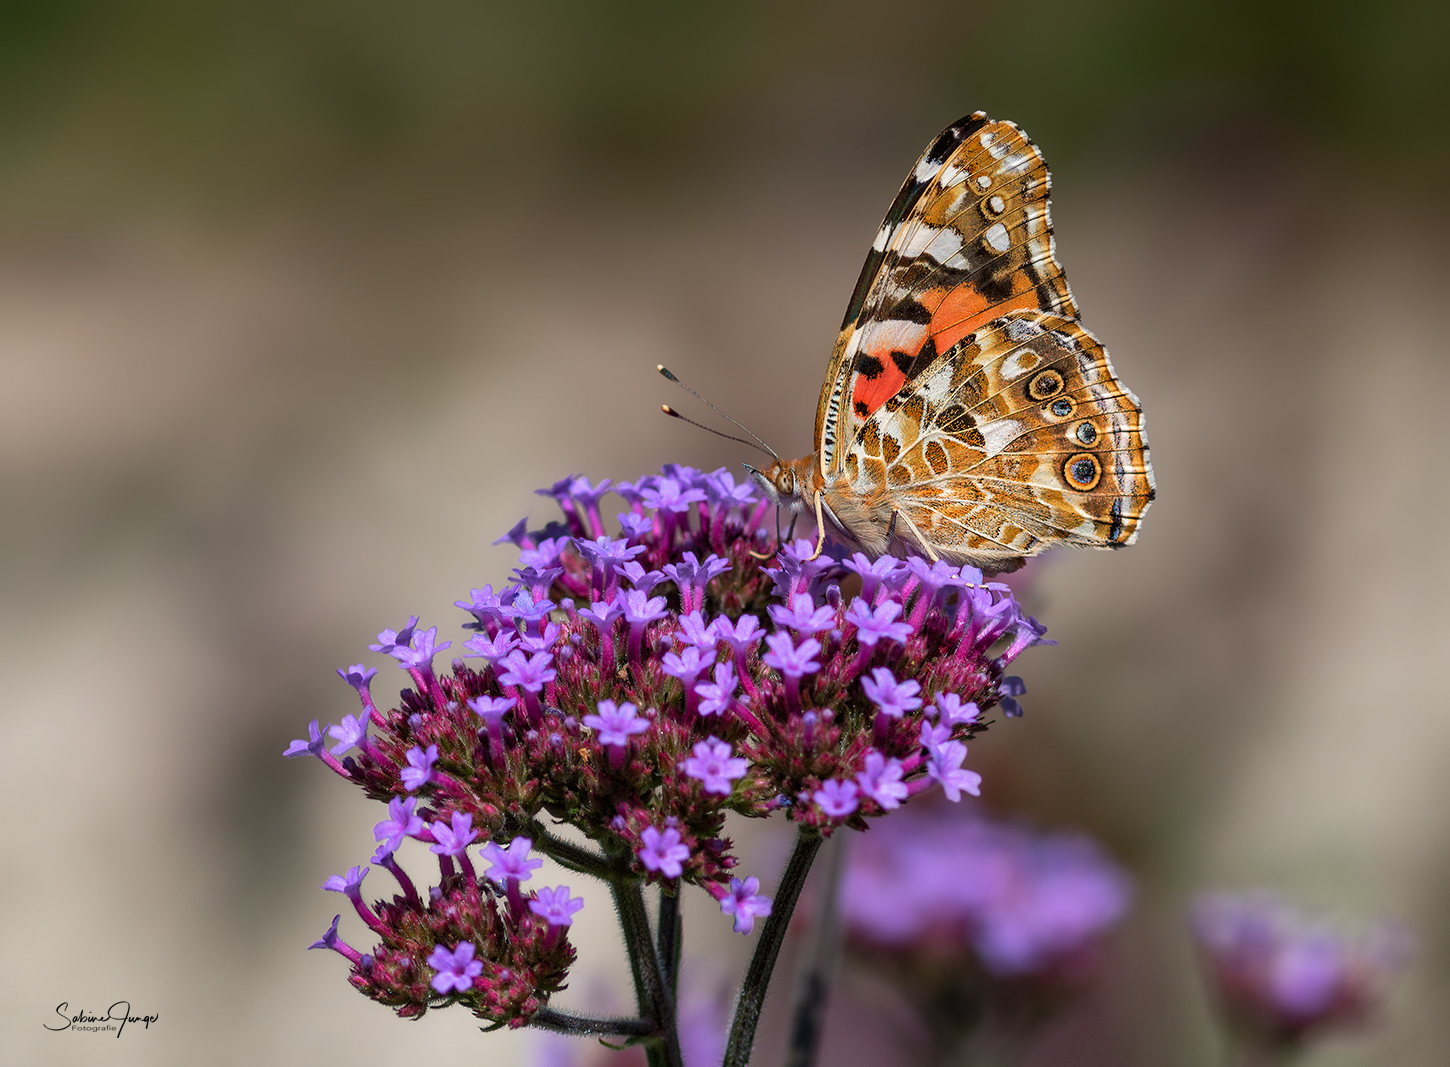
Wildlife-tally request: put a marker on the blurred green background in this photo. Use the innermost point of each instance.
(299, 301)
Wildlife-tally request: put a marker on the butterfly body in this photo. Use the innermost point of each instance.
(966, 414)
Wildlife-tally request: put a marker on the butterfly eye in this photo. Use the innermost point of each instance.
(1045, 385)
(1086, 432)
(1082, 471)
(785, 483)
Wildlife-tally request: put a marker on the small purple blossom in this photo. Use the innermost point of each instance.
(556, 906)
(349, 885)
(451, 839)
(837, 798)
(953, 712)
(400, 823)
(358, 676)
(790, 659)
(892, 697)
(389, 640)
(530, 673)
(697, 632)
(352, 733)
(745, 904)
(945, 765)
(493, 649)
(715, 764)
(881, 780)
(512, 863)
(663, 852)
(667, 495)
(640, 608)
(456, 968)
(637, 576)
(636, 526)
(615, 724)
(717, 696)
(742, 635)
(803, 616)
(419, 771)
(1011, 687)
(686, 665)
(876, 624)
(312, 746)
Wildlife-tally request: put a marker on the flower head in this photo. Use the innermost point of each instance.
(715, 765)
(745, 904)
(556, 906)
(662, 851)
(616, 724)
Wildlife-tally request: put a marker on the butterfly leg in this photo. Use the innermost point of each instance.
(922, 541)
(820, 529)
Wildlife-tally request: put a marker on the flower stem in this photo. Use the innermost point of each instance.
(564, 1022)
(651, 992)
(813, 988)
(671, 936)
(772, 936)
(575, 857)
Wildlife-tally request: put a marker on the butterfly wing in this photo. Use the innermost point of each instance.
(1018, 438)
(967, 239)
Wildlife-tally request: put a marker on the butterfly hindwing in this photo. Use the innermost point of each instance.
(1018, 437)
(968, 239)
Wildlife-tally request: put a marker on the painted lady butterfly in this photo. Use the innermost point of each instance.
(966, 414)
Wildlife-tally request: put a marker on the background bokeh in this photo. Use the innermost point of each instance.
(299, 301)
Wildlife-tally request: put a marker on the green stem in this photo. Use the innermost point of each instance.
(818, 967)
(565, 1022)
(650, 990)
(772, 936)
(575, 857)
(671, 937)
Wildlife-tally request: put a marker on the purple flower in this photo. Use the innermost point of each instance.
(491, 709)
(350, 885)
(616, 724)
(892, 697)
(518, 534)
(419, 771)
(400, 823)
(494, 648)
(640, 608)
(312, 746)
(791, 660)
(638, 577)
(716, 697)
(456, 969)
(742, 635)
(953, 712)
(1011, 687)
(604, 552)
(663, 852)
(358, 676)
(803, 616)
(1286, 975)
(667, 495)
(881, 780)
(696, 631)
(452, 840)
(512, 863)
(544, 555)
(602, 613)
(713, 764)
(636, 526)
(686, 665)
(836, 798)
(692, 576)
(872, 625)
(388, 640)
(945, 765)
(874, 573)
(529, 610)
(540, 642)
(527, 672)
(352, 732)
(743, 902)
(556, 906)
(483, 604)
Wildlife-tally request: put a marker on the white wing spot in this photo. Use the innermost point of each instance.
(882, 236)
(997, 205)
(984, 181)
(1000, 433)
(987, 138)
(996, 238)
(1016, 163)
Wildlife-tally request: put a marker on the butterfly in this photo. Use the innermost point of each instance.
(966, 414)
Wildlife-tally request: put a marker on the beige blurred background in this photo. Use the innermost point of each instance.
(300, 301)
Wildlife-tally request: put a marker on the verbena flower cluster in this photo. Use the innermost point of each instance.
(1281, 976)
(639, 680)
(936, 882)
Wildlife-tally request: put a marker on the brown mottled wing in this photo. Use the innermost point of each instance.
(967, 240)
(1019, 438)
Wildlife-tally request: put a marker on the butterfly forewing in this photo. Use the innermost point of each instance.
(968, 239)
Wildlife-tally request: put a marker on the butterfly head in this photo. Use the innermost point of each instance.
(786, 483)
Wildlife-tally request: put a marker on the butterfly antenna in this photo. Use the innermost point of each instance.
(758, 443)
